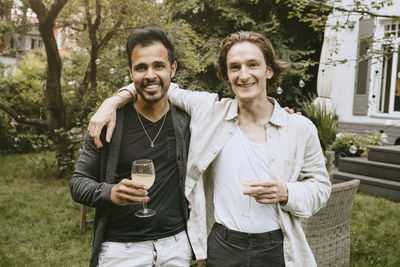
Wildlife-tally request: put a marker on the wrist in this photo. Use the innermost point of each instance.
(113, 199)
(284, 196)
(116, 101)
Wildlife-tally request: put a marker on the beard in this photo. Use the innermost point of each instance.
(151, 99)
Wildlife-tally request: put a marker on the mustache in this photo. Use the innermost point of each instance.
(147, 82)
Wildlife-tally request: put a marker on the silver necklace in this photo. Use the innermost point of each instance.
(144, 129)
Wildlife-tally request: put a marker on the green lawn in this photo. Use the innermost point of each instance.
(39, 223)
(375, 232)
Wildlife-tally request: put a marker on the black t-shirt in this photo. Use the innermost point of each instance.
(165, 195)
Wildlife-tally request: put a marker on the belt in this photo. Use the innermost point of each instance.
(274, 235)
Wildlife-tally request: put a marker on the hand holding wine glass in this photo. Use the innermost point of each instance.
(269, 191)
(246, 182)
(143, 172)
(127, 192)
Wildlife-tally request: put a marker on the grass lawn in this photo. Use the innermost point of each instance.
(39, 222)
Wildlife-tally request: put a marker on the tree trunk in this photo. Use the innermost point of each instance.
(5, 15)
(55, 109)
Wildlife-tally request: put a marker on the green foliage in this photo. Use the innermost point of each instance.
(373, 138)
(325, 121)
(344, 140)
(21, 87)
(197, 31)
(111, 74)
(214, 20)
(5, 27)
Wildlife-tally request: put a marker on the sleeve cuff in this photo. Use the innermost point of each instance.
(290, 201)
(106, 192)
(130, 88)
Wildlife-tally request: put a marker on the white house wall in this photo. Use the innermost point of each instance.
(344, 75)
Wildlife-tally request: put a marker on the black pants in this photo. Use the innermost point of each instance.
(228, 248)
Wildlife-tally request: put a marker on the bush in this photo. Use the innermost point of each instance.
(21, 87)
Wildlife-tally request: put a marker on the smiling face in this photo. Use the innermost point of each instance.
(247, 71)
(151, 71)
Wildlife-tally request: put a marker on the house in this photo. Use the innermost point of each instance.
(359, 72)
(17, 44)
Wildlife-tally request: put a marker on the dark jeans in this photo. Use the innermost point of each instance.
(228, 248)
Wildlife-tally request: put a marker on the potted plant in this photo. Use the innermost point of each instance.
(348, 144)
(326, 122)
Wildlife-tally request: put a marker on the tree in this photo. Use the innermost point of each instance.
(55, 110)
(214, 20)
(104, 25)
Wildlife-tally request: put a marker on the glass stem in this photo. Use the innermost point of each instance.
(250, 208)
(145, 207)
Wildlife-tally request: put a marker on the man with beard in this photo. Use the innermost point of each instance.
(150, 128)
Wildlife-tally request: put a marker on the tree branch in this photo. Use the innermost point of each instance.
(353, 10)
(91, 26)
(39, 8)
(365, 12)
(98, 15)
(110, 34)
(21, 118)
(114, 29)
(88, 15)
(55, 8)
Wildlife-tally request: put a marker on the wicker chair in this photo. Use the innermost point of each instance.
(328, 231)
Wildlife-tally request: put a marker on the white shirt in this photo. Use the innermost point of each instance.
(242, 159)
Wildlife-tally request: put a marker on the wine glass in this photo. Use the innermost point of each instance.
(143, 172)
(245, 182)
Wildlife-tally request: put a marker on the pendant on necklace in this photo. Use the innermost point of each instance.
(152, 145)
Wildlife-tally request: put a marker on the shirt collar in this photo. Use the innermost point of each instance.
(278, 118)
(233, 110)
(279, 115)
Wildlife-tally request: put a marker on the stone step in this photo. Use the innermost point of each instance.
(371, 185)
(362, 166)
(387, 154)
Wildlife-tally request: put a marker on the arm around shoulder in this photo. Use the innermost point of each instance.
(106, 114)
(190, 101)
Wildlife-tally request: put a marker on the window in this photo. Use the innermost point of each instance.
(392, 30)
(59, 38)
(389, 98)
(67, 37)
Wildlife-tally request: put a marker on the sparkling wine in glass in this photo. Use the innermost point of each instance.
(143, 172)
